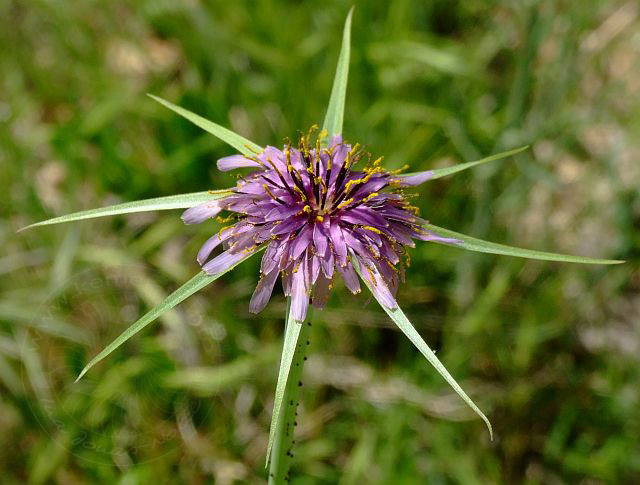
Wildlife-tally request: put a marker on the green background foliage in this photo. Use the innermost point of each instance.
(548, 350)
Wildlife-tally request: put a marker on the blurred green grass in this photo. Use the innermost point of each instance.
(549, 351)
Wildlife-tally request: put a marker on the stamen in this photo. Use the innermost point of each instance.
(398, 170)
(391, 265)
(282, 179)
(345, 203)
(372, 229)
(372, 276)
(369, 197)
(268, 190)
(300, 192)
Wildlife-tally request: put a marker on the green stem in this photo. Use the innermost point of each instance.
(282, 450)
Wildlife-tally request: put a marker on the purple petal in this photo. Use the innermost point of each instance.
(350, 277)
(245, 242)
(434, 237)
(339, 246)
(263, 291)
(222, 262)
(211, 244)
(373, 185)
(289, 225)
(416, 179)
(201, 212)
(301, 242)
(286, 282)
(377, 284)
(365, 215)
(299, 297)
(314, 270)
(235, 161)
(338, 158)
(335, 140)
(280, 213)
(273, 155)
(389, 252)
(353, 243)
(320, 239)
(328, 264)
(272, 256)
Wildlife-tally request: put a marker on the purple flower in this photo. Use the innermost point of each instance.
(317, 211)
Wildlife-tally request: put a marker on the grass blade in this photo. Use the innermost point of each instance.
(281, 431)
(442, 172)
(207, 381)
(48, 323)
(335, 111)
(474, 244)
(399, 318)
(195, 284)
(240, 143)
(181, 201)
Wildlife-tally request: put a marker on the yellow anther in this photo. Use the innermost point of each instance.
(347, 161)
(268, 190)
(391, 265)
(362, 180)
(372, 229)
(300, 192)
(370, 196)
(372, 170)
(249, 249)
(398, 170)
(306, 209)
(413, 208)
(274, 167)
(345, 203)
(352, 182)
(372, 276)
(319, 218)
(287, 154)
(304, 148)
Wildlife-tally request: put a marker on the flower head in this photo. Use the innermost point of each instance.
(315, 210)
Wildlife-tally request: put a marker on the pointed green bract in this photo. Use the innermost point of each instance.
(335, 111)
(195, 284)
(240, 143)
(182, 201)
(399, 318)
(474, 244)
(442, 172)
(286, 377)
